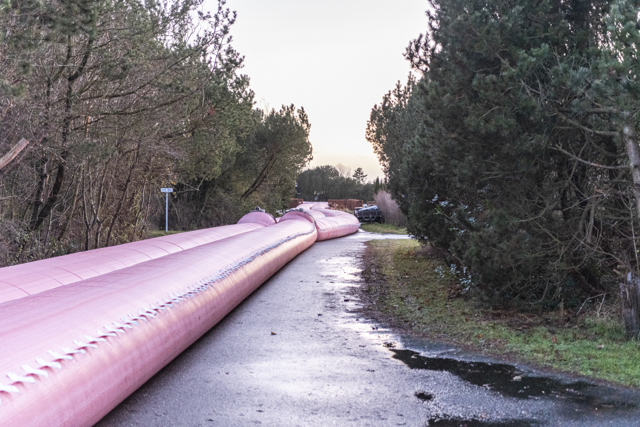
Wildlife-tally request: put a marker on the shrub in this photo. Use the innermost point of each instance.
(390, 209)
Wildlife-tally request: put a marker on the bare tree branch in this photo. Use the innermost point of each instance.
(573, 156)
(13, 153)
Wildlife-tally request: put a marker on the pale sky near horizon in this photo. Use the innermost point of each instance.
(334, 58)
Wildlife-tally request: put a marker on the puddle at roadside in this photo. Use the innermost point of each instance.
(567, 398)
(341, 269)
(512, 382)
(453, 422)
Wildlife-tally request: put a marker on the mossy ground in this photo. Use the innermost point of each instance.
(404, 289)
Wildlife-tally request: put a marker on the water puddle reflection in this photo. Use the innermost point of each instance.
(510, 381)
(341, 269)
(481, 423)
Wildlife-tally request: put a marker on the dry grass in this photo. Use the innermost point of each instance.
(392, 213)
(375, 227)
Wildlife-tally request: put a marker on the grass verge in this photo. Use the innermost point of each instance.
(159, 233)
(405, 290)
(374, 227)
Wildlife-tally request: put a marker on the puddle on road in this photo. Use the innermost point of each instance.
(509, 381)
(424, 396)
(480, 423)
(581, 399)
(341, 269)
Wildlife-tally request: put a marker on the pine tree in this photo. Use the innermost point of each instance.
(521, 162)
(359, 176)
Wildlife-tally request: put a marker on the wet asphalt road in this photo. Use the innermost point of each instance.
(297, 353)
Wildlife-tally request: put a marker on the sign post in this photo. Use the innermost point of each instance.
(166, 220)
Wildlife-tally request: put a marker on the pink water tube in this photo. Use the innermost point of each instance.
(335, 224)
(31, 278)
(71, 353)
(85, 330)
(329, 223)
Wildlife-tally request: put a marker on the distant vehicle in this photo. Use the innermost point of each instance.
(369, 214)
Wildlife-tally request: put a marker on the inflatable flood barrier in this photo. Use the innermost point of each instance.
(27, 279)
(337, 226)
(314, 205)
(72, 352)
(332, 223)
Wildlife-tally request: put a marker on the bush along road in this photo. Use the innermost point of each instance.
(410, 287)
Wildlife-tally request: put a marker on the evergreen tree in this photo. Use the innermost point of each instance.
(519, 155)
(359, 176)
(376, 185)
(326, 182)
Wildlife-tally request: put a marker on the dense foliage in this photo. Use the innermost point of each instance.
(327, 182)
(516, 151)
(117, 99)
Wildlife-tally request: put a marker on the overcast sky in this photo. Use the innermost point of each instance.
(336, 58)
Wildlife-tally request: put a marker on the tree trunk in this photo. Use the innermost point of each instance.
(68, 218)
(134, 163)
(633, 152)
(261, 177)
(630, 294)
(630, 290)
(66, 130)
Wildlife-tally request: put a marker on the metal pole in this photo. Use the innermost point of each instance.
(166, 220)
